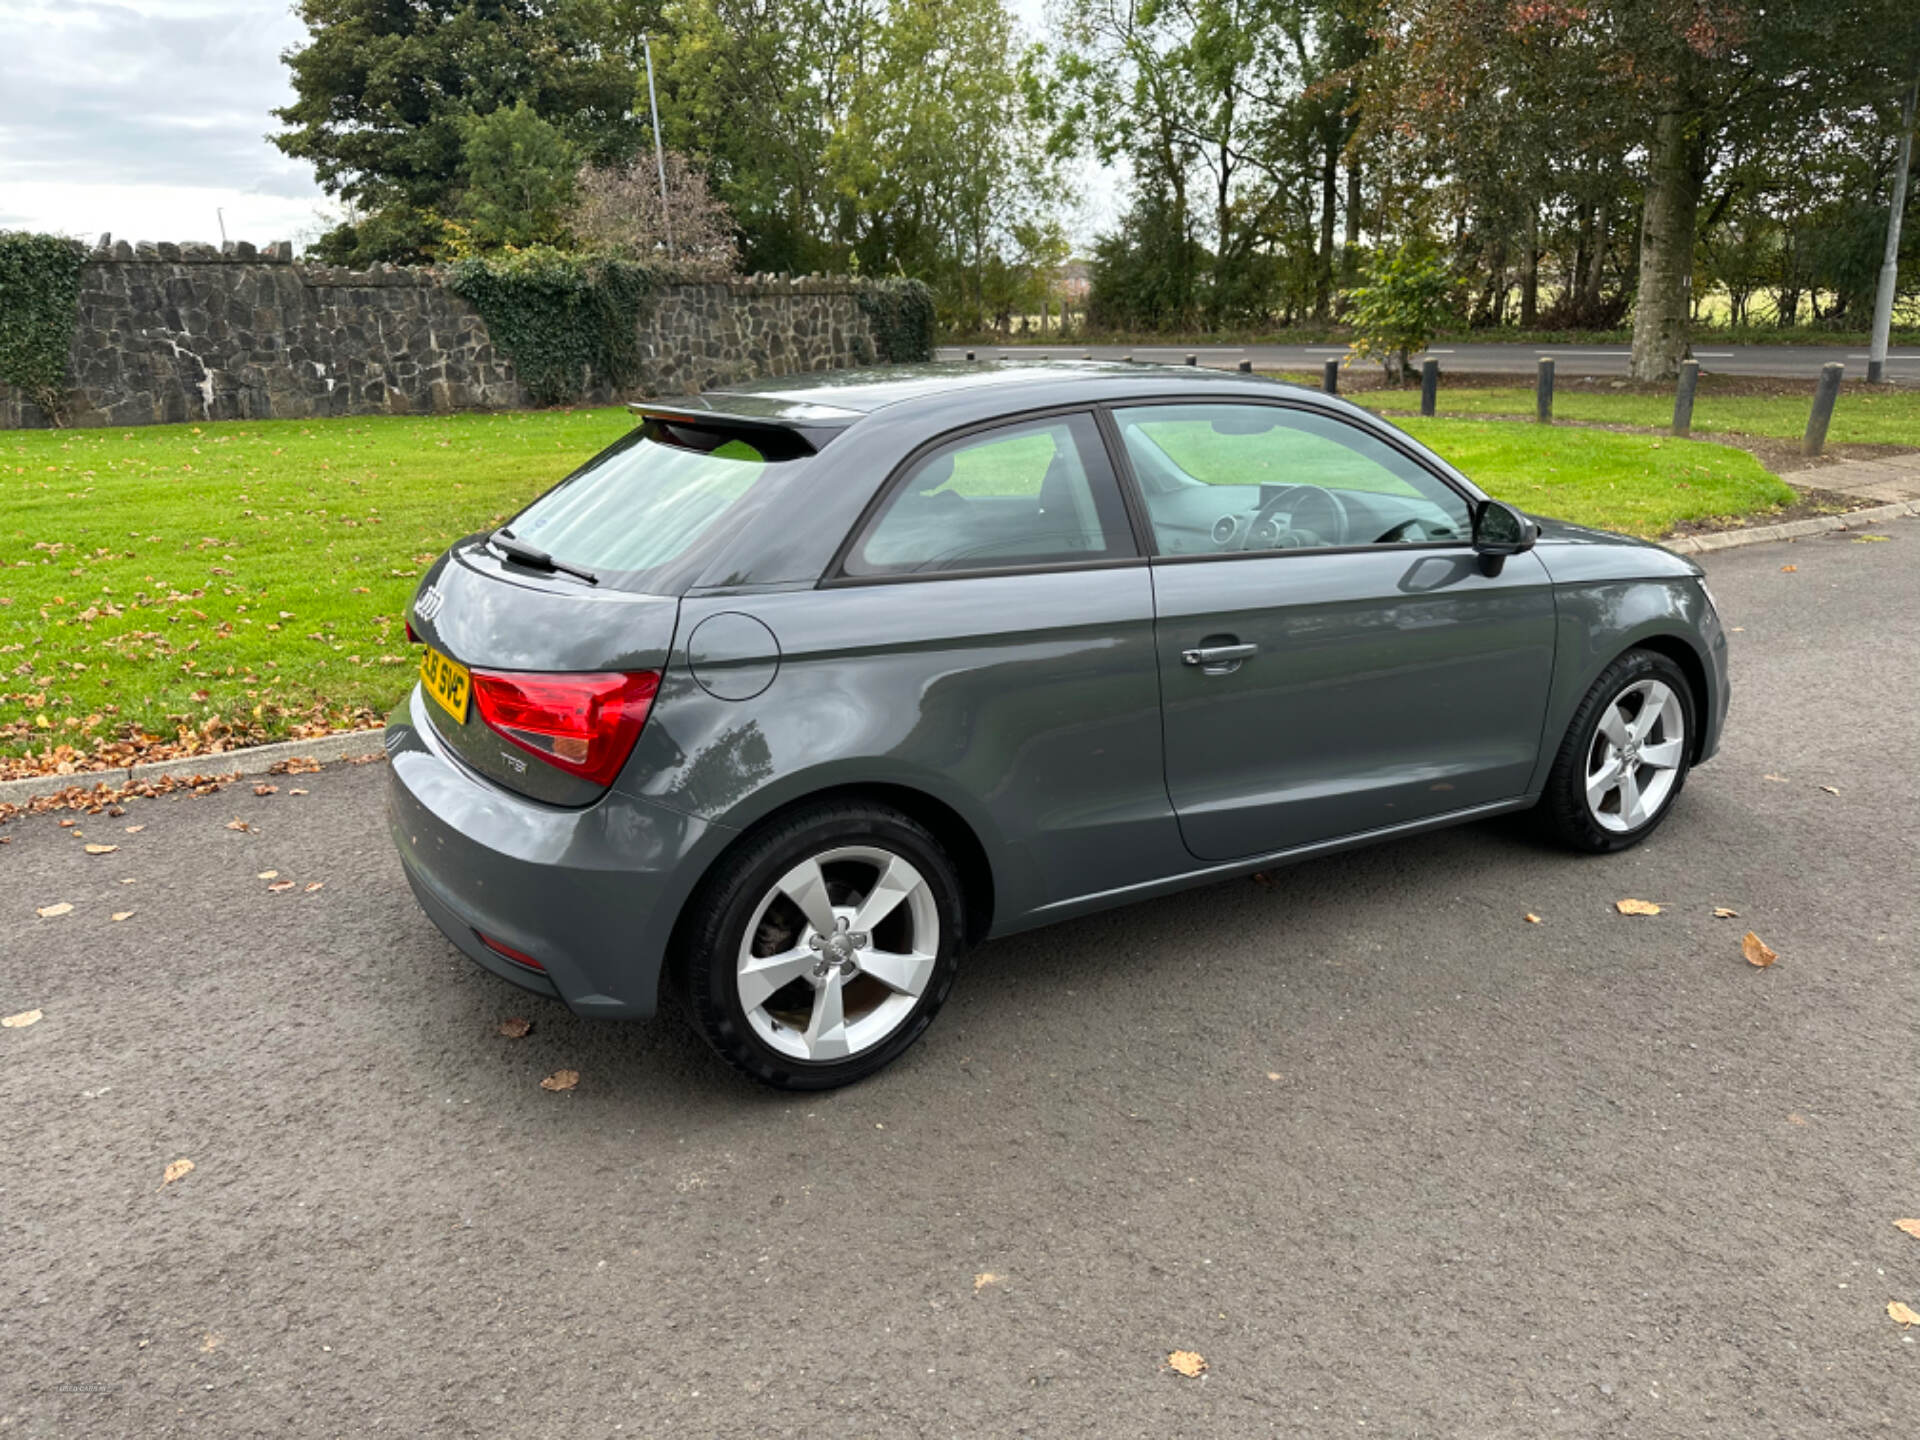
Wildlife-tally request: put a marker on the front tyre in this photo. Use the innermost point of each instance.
(820, 950)
(1625, 756)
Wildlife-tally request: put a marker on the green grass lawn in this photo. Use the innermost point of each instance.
(247, 575)
(250, 580)
(1884, 417)
(1638, 484)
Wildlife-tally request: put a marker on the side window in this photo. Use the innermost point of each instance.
(1221, 479)
(1035, 493)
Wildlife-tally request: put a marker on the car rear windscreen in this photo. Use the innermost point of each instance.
(638, 513)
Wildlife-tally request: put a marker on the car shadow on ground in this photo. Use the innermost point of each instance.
(662, 1067)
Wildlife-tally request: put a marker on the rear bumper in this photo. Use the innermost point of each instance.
(591, 893)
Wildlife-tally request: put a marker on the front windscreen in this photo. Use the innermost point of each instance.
(635, 514)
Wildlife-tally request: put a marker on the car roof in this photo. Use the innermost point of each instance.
(833, 399)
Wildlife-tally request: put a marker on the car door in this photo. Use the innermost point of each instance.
(1333, 657)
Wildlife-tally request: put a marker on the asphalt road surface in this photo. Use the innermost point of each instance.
(1791, 361)
(1393, 1160)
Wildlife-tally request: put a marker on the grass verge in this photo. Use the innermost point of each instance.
(207, 584)
(186, 586)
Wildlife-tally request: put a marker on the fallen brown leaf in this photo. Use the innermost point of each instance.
(984, 1279)
(1912, 1227)
(268, 875)
(561, 1080)
(278, 886)
(298, 792)
(1756, 951)
(238, 824)
(1789, 569)
(1273, 1074)
(266, 789)
(135, 829)
(1189, 1363)
(179, 1169)
(1721, 912)
(1901, 1314)
(1796, 1119)
(49, 912)
(101, 849)
(22, 1020)
(1830, 789)
(120, 915)
(1533, 919)
(211, 1342)
(515, 1027)
(1636, 907)
(1780, 779)
(316, 885)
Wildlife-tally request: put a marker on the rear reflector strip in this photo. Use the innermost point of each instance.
(507, 952)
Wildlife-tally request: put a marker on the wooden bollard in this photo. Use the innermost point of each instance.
(1543, 392)
(1429, 385)
(1330, 377)
(1816, 437)
(1683, 398)
(1246, 367)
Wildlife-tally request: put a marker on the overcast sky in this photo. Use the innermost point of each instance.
(143, 117)
(146, 117)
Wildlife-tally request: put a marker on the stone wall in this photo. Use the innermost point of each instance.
(186, 332)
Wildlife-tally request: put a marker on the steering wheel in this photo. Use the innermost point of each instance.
(1263, 530)
(1399, 532)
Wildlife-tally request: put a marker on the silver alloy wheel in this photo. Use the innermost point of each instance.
(1635, 756)
(838, 953)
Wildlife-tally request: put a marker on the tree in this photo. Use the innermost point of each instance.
(1396, 313)
(938, 167)
(754, 90)
(518, 171)
(384, 91)
(618, 208)
(1677, 83)
(1144, 271)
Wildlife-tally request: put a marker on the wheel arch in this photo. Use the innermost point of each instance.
(1681, 652)
(956, 836)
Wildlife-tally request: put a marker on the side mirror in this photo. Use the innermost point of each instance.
(1499, 530)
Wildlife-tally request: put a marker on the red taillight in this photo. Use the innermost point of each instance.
(583, 724)
(519, 957)
(412, 639)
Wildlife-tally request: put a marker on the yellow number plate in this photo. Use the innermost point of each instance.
(447, 681)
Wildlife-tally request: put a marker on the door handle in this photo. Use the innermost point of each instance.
(1225, 657)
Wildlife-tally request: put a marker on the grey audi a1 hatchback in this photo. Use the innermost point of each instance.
(783, 701)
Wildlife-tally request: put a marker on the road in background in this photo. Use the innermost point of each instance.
(1785, 361)
(1392, 1159)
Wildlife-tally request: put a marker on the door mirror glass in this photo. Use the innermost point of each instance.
(1499, 529)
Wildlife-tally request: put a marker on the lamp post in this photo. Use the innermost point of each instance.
(1890, 268)
(659, 154)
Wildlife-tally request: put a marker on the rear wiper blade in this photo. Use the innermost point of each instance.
(514, 548)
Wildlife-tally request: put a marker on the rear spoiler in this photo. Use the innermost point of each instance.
(812, 425)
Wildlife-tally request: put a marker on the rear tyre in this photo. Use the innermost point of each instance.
(1625, 756)
(822, 948)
